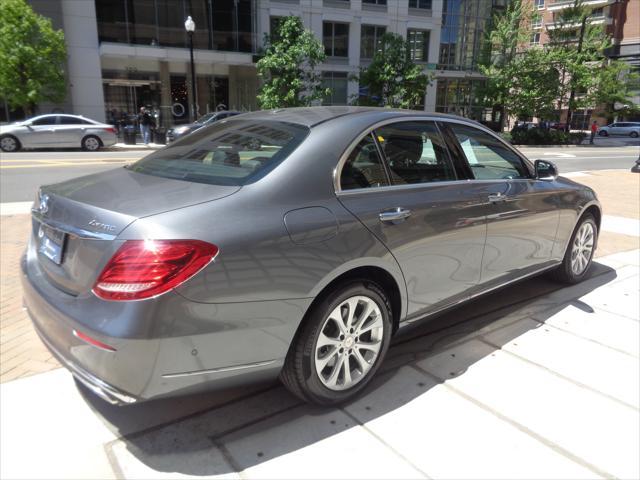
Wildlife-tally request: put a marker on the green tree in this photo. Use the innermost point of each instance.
(534, 85)
(288, 67)
(32, 57)
(509, 30)
(392, 79)
(577, 48)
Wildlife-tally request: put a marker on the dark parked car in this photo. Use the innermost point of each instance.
(178, 131)
(291, 243)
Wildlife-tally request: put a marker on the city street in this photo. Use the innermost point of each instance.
(23, 172)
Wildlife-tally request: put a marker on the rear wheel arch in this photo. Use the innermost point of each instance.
(379, 276)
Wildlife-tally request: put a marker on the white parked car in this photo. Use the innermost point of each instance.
(57, 131)
(631, 129)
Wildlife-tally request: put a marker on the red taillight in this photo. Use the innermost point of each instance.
(146, 268)
(110, 130)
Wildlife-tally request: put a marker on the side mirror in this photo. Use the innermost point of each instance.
(545, 170)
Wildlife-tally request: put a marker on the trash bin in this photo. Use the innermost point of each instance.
(129, 134)
(160, 136)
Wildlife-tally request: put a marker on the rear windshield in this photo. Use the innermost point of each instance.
(227, 153)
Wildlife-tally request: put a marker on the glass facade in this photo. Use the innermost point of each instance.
(225, 25)
(464, 23)
(460, 96)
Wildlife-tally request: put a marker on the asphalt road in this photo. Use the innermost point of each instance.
(22, 173)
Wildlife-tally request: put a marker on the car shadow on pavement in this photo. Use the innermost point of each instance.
(240, 429)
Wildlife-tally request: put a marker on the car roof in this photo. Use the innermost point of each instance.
(312, 116)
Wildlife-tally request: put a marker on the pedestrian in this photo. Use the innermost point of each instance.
(594, 130)
(145, 121)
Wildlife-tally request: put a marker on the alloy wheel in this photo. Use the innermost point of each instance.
(91, 144)
(349, 343)
(582, 248)
(9, 144)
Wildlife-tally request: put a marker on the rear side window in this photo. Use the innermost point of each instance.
(488, 158)
(44, 121)
(227, 153)
(363, 168)
(72, 121)
(415, 153)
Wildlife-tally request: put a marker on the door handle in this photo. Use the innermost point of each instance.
(497, 197)
(395, 215)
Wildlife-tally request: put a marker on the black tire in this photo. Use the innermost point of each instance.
(91, 143)
(602, 133)
(299, 373)
(633, 134)
(564, 273)
(7, 140)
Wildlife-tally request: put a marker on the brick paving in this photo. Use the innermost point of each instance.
(21, 351)
(23, 354)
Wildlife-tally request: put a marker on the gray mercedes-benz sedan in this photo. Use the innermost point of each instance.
(290, 243)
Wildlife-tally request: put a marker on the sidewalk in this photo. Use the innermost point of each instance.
(531, 382)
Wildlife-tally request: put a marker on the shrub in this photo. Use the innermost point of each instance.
(538, 136)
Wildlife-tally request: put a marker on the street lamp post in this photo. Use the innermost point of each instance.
(190, 27)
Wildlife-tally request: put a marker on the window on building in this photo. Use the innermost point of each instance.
(539, 4)
(375, 2)
(274, 25)
(336, 82)
(536, 21)
(418, 45)
(335, 37)
(535, 39)
(424, 4)
(370, 39)
(597, 13)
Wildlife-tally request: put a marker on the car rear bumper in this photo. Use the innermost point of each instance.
(216, 346)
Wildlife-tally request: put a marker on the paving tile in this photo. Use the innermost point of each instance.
(581, 360)
(594, 324)
(447, 436)
(313, 443)
(582, 423)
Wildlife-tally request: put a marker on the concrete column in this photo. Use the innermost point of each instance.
(83, 64)
(430, 98)
(166, 118)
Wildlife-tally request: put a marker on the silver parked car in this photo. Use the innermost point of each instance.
(57, 131)
(630, 129)
(291, 243)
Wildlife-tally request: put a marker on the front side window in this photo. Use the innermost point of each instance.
(418, 45)
(65, 120)
(370, 41)
(335, 37)
(363, 168)
(488, 158)
(415, 153)
(234, 153)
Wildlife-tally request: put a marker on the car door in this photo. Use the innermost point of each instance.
(523, 218)
(615, 129)
(41, 132)
(402, 184)
(69, 131)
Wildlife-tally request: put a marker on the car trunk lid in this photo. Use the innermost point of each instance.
(76, 223)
